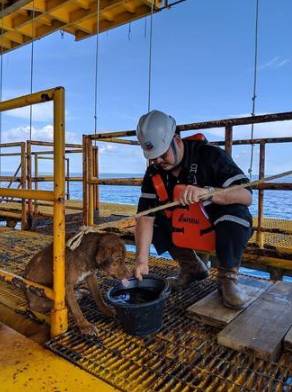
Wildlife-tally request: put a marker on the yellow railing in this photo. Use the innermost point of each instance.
(59, 314)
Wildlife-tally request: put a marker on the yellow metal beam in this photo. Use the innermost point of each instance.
(35, 19)
(15, 36)
(5, 43)
(59, 315)
(83, 3)
(156, 3)
(19, 281)
(120, 141)
(105, 24)
(28, 194)
(26, 365)
(27, 100)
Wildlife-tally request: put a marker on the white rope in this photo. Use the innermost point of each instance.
(96, 95)
(129, 32)
(75, 241)
(145, 28)
(31, 68)
(150, 57)
(254, 96)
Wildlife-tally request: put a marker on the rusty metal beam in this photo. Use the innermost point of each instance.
(284, 116)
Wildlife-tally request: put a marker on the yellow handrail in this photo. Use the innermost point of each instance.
(59, 314)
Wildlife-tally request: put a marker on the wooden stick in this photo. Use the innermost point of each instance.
(74, 242)
(208, 194)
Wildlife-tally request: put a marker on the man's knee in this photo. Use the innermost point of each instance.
(231, 240)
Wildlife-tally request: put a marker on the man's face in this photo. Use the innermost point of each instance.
(168, 160)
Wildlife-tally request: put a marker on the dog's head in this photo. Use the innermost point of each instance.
(110, 256)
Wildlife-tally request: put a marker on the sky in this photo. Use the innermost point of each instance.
(202, 69)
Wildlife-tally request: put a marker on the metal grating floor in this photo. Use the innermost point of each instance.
(17, 248)
(184, 356)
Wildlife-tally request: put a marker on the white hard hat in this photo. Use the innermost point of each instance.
(155, 131)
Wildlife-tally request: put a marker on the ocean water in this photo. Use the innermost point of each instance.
(277, 204)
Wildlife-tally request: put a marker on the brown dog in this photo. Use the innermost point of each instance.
(103, 252)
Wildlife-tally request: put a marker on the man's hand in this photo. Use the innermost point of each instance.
(191, 194)
(141, 268)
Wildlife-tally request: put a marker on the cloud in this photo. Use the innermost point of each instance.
(42, 112)
(275, 63)
(105, 148)
(120, 152)
(43, 133)
(9, 93)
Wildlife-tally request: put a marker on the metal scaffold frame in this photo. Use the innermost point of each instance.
(260, 257)
(24, 178)
(59, 313)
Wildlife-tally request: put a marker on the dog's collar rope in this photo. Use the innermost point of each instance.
(75, 241)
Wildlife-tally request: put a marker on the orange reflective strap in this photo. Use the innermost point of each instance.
(160, 188)
(161, 192)
(199, 137)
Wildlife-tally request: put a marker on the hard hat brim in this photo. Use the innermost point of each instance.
(155, 154)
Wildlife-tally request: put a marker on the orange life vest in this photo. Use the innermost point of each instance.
(191, 226)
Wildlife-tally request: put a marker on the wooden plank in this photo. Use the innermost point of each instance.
(263, 325)
(288, 340)
(210, 310)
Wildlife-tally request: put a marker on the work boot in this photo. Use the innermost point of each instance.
(192, 268)
(233, 296)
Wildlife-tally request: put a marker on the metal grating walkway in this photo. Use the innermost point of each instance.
(184, 356)
(17, 248)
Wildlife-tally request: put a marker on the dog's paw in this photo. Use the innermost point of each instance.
(88, 329)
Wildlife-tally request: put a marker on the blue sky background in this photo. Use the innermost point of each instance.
(203, 53)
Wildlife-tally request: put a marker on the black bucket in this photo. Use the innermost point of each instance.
(139, 306)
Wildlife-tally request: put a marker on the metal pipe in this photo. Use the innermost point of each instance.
(120, 141)
(116, 181)
(23, 186)
(91, 193)
(97, 176)
(10, 154)
(10, 178)
(36, 171)
(59, 314)
(51, 178)
(68, 175)
(27, 194)
(263, 118)
(255, 141)
(12, 144)
(77, 151)
(277, 186)
(51, 144)
(228, 139)
(85, 179)
(27, 100)
(29, 182)
(260, 235)
(208, 124)
(273, 230)
(21, 282)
